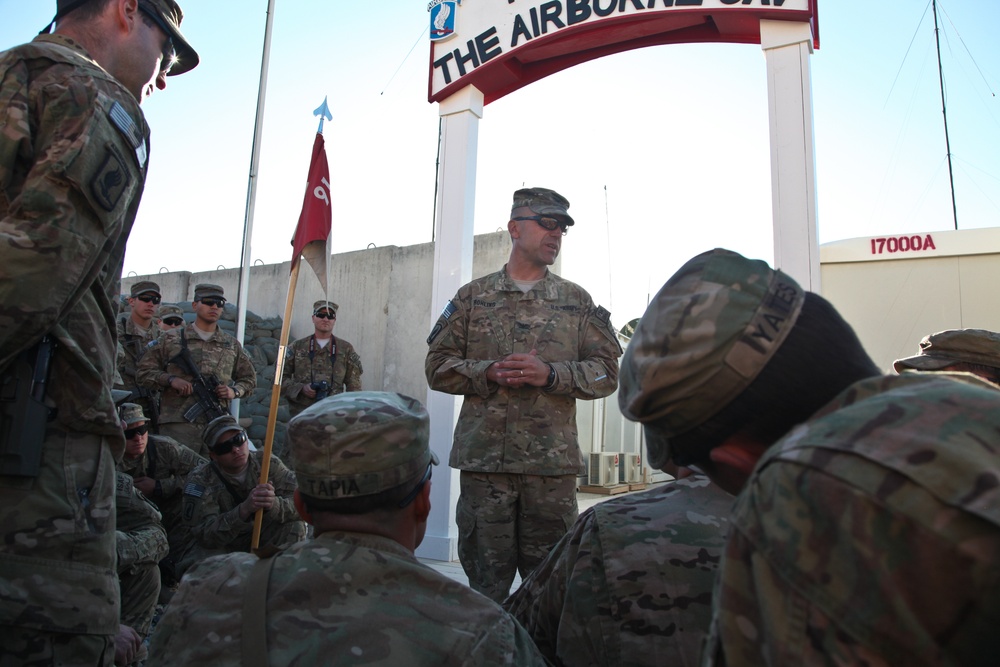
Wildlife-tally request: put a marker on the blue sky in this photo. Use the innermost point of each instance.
(663, 152)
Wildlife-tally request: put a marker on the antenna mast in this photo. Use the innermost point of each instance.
(944, 112)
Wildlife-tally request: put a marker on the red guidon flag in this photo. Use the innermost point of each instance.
(312, 234)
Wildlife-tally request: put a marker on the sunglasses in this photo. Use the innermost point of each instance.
(214, 303)
(169, 53)
(173, 321)
(412, 495)
(549, 224)
(326, 316)
(147, 298)
(138, 430)
(227, 446)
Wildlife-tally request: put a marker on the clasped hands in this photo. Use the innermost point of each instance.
(518, 370)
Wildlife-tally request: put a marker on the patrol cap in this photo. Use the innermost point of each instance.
(323, 304)
(119, 395)
(703, 339)
(208, 291)
(166, 14)
(217, 427)
(169, 310)
(543, 202)
(952, 346)
(131, 413)
(143, 287)
(359, 443)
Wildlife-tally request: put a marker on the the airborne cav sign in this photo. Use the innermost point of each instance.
(502, 45)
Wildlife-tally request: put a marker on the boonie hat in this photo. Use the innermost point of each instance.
(952, 346)
(131, 413)
(703, 339)
(543, 202)
(323, 304)
(218, 426)
(208, 291)
(359, 443)
(143, 287)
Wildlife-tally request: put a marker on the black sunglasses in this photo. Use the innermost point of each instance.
(326, 316)
(227, 446)
(218, 303)
(169, 53)
(148, 298)
(173, 321)
(550, 224)
(138, 430)
(412, 495)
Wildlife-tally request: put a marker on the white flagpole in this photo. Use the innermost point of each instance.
(241, 299)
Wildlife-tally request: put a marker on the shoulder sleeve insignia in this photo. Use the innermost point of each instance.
(449, 310)
(111, 180)
(603, 314)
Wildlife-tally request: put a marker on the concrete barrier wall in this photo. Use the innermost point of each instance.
(383, 294)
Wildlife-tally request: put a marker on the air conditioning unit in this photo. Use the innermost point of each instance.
(633, 468)
(603, 469)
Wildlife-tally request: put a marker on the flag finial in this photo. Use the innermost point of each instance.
(323, 111)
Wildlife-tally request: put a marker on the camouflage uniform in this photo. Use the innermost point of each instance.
(527, 432)
(344, 597)
(134, 342)
(631, 583)
(73, 146)
(142, 543)
(212, 517)
(870, 534)
(169, 463)
(339, 365)
(221, 355)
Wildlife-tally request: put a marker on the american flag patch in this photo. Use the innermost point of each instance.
(192, 489)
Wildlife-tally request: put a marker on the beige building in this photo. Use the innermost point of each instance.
(895, 290)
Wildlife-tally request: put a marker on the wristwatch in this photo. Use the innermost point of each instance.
(552, 378)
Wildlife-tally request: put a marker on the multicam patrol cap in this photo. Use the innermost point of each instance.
(169, 310)
(323, 304)
(543, 202)
(953, 346)
(131, 413)
(208, 291)
(217, 427)
(359, 443)
(144, 287)
(166, 14)
(704, 338)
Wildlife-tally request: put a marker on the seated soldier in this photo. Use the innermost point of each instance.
(354, 594)
(222, 495)
(158, 466)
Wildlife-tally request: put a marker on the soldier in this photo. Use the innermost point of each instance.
(975, 351)
(867, 527)
(169, 317)
(142, 544)
(631, 583)
(158, 466)
(226, 370)
(319, 365)
(135, 332)
(222, 495)
(521, 345)
(73, 161)
(354, 593)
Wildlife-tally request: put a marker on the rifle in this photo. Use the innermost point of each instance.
(23, 413)
(204, 388)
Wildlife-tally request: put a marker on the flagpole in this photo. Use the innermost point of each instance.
(272, 415)
(241, 298)
(313, 225)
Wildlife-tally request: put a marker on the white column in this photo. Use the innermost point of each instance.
(456, 200)
(787, 46)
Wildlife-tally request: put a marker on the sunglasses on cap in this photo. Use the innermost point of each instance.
(549, 224)
(412, 495)
(173, 321)
(138, 430)
(326, 316)
(215, 303)
(148, 298)
(229, 445)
